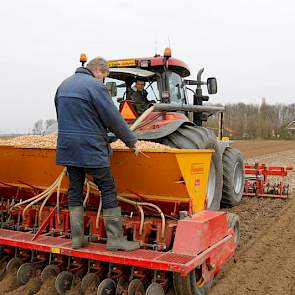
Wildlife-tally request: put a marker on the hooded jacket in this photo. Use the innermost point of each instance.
(85, 114)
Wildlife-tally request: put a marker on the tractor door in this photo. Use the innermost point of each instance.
(175, 88)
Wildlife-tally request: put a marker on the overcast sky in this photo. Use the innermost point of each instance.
(248, 45)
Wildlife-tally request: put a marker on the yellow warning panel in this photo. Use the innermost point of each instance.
(55, 250)
(122, 63)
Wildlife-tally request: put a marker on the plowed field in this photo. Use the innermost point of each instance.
(265, 261)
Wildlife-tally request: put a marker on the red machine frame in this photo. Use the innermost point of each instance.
(212, 244)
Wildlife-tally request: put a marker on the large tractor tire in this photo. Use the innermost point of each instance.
(192, 137)
(233, 177)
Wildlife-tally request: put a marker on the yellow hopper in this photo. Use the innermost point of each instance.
(157, 175)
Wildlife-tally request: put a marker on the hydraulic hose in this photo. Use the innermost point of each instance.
(87, 193)
(44, 195)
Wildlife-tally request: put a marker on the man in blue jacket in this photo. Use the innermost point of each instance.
(85, 114)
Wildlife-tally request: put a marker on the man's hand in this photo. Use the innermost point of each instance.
(135, 148)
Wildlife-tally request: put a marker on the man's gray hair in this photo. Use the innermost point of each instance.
(98, 63)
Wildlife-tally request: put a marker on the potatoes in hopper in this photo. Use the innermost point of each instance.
(49, 142)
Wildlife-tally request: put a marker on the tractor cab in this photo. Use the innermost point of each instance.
(121, 85)
(161, 86)
(164, 79)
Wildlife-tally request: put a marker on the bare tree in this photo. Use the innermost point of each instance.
(38, 127)
(256, 121)
(49, 122)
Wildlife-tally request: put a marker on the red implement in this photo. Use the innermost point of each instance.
(214, 250)
(258, 182)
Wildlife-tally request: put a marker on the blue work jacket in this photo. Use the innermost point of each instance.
(85, 114)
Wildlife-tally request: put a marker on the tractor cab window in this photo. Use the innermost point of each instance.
(153, 91)
(121, 90)
(176, 87)
(150, 86)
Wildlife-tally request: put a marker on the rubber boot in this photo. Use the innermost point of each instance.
(77, 227)
(113, 225)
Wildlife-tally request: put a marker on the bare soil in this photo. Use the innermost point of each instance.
(265, 261)
(9, 283)
(254, 148)
(30, 288)
(48, 287)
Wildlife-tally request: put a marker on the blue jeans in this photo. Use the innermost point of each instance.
(102, 177)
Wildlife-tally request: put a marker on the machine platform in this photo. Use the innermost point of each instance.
(167, 261)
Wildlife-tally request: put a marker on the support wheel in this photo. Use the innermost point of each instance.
(49, 271)
(192, 284)
(90, 280)
(154, 289)
(136, 287)
(106, 287)
(63, 282)
(233, 221)
(13, 264)
(25, 272)
(233, 177)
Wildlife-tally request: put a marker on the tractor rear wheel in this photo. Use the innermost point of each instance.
(233, 177)
(192, 137)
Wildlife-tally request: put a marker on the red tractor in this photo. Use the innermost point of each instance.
(175, 122)
(164, 193)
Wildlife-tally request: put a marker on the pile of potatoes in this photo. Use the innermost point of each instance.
(49, 142)
(31, 141)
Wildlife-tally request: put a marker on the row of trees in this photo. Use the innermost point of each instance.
(256, 121)
(240, 121)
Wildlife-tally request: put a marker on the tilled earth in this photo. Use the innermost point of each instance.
(265, 261)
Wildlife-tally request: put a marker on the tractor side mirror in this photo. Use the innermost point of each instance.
(212, 85)
(112, 88)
